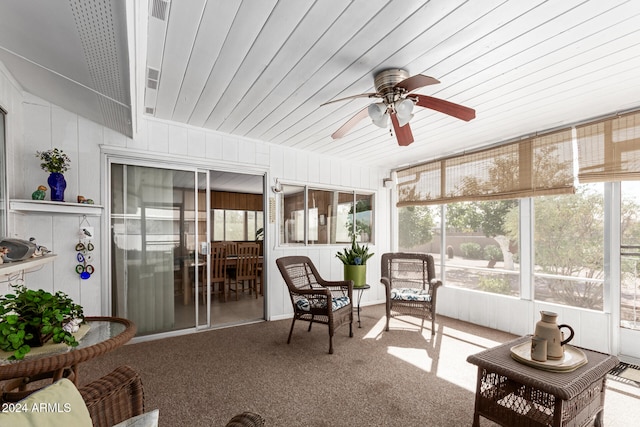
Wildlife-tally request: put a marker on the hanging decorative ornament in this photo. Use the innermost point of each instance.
(84, 249)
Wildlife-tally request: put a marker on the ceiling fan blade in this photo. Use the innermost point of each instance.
(414, 82)
(361, 95)
(455, 110)
(403, 133)
(345, 128)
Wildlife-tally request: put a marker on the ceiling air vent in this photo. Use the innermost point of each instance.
(153, 76)
(159, 9)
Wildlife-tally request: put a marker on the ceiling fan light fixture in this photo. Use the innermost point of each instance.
(383, 122)
(378, 114)
(403, 111)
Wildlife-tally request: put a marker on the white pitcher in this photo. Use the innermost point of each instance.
(548, 329)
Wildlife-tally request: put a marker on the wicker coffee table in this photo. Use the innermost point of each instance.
(511, 393)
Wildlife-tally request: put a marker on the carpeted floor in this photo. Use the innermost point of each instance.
(403, 377)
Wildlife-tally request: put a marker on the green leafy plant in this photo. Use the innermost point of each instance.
(496, 285)
(354, 255)
(28, 315)
(54, 160)
(471, 250)
(493, 253)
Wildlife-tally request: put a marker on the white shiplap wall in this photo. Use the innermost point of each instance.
(517, 316)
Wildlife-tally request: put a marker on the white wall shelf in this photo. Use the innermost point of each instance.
(25, 265)
(44, 206)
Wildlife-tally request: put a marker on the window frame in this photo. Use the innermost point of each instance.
(245, 227)
(488, 273)
(584, 190)
(4, 187)
(528, 275)
(356, 194)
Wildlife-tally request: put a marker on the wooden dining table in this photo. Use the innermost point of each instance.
(188, 264)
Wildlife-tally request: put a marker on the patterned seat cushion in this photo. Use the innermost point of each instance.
(410, 294)
(336, 303)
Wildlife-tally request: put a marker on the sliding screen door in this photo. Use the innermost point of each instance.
(153, 246)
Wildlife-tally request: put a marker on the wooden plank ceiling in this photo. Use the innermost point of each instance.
(262, 69)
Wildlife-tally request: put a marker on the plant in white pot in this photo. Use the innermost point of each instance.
(355, 259)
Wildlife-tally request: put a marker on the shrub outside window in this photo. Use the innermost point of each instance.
(482, 246)
(569, 248)
(419, 229)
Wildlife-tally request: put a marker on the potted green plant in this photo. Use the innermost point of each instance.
(56, 162)
(28, 318)
(355, 259)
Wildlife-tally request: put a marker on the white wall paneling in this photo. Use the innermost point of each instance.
(631, 347)
(520, 316)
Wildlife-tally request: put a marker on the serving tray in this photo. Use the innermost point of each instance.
(573, 358)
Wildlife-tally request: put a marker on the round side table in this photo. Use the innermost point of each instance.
(360, 290)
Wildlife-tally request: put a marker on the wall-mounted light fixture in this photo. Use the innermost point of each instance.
(277, 188)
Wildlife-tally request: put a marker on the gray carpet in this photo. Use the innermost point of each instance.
(398, 378)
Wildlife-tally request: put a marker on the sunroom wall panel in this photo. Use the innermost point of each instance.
(36, 138)
(89, 164)
(213, 147)
(196, 143)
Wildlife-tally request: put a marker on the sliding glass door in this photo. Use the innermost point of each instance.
(236, 218)
(163, 222)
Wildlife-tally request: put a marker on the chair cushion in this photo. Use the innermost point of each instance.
(148, 419)
(410, 294)
(336, 303)
(57, 405)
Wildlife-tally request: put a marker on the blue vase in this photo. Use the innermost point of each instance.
(58, 184)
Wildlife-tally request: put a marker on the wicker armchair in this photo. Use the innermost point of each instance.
(314, 299)
(246, 419)
(115, 397)
(411, 286)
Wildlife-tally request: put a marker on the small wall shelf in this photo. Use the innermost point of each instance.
(25, 265)
(44, 206)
